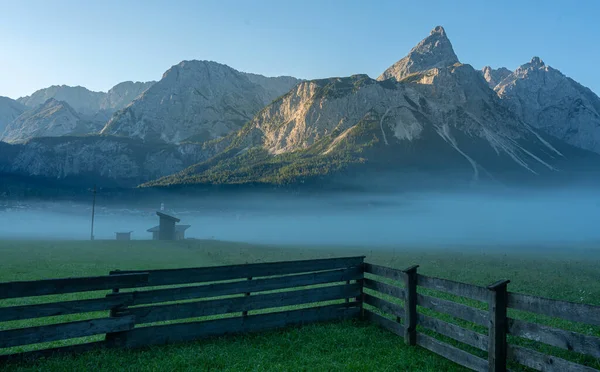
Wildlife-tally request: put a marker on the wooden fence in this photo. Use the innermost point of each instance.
(140, 298)
(165, 306)
(409, 318)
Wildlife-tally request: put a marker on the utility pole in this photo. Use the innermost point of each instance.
(93, 212)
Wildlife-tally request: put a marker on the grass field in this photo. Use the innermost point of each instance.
(570, 273)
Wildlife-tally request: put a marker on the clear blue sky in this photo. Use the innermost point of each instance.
(99, 43)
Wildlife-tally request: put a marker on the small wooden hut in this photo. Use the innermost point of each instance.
(124, 235)
(167, 228)
(166, 225)
(179, 231)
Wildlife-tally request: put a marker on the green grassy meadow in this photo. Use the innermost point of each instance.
(570, 273)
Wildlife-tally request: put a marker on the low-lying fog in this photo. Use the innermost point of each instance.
(357, 219)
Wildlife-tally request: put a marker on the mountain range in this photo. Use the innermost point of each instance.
(205, 123)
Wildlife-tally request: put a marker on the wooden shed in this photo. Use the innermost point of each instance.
(166, 230)
(124, 235)
(179, 231)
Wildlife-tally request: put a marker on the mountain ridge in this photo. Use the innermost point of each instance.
(548, 100)
(199, 100)
(86, 101)
(53, 118)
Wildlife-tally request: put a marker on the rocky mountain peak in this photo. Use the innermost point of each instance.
(546, 99)
(435, 51)
(81, 99)
(537, 62)
(494, 76)
(194, 101)
(85, 101)
(123, 93)
(53, 118)
(53, 105)
(438, 30)
(206, 70)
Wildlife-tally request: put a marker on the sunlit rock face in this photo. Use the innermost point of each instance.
(435, 51)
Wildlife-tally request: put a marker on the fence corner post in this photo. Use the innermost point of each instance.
(361, 281)
(410, 305)
(498, 324)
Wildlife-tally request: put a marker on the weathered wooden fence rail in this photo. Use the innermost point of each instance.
(165, 306)
(131, 314)
(387, 288)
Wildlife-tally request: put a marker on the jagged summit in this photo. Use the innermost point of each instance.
(433, 51)
(494, 77)
(79, 98)
(85, 101)
(198, 67)
(548, 100)
(196, 101)
(53, 118)
(438, 30)
(536, 61)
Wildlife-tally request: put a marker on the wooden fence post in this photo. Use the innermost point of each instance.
(361, 299)
(498, 325)
(115, 312)
(347, 299)
(410, 305)
(245, 312)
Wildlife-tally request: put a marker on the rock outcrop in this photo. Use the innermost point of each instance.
(273, 86)
(494, 77)
(122, 94)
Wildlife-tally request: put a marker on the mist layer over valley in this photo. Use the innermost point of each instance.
(350, 219)
(432, 152)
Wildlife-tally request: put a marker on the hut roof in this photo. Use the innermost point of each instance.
(166, 216)
(178, 228)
